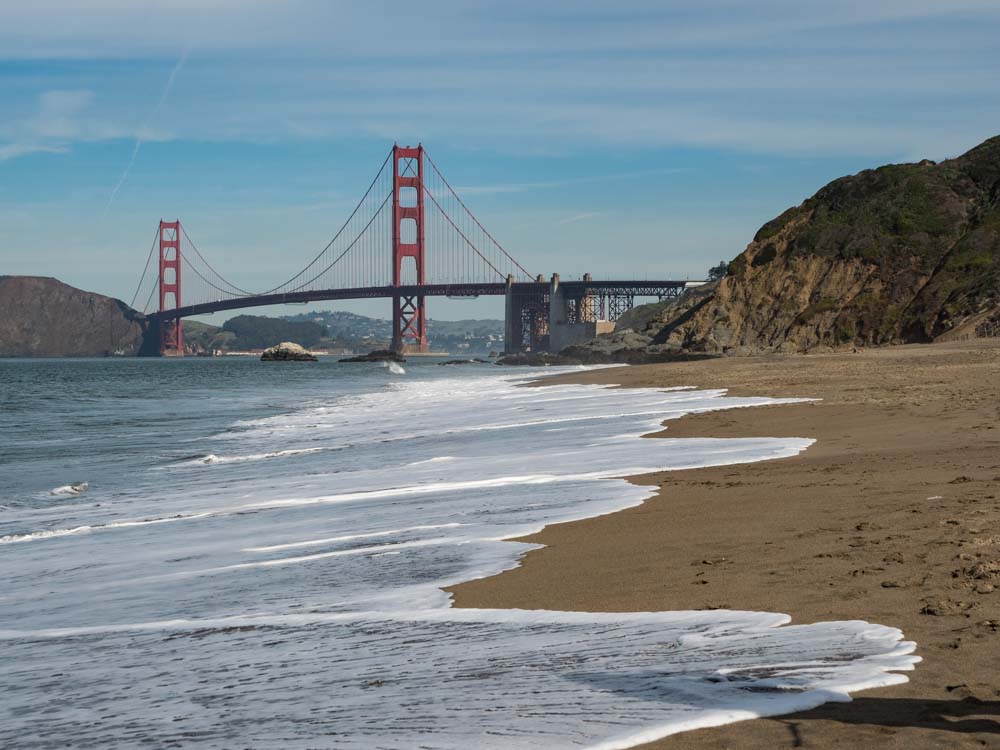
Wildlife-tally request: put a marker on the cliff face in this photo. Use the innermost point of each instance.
(42, 317)
(903, 253)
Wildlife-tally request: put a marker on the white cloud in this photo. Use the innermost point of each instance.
(847, 76)
(13, 150)
(55, 123)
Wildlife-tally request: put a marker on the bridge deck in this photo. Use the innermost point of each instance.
(644, 288)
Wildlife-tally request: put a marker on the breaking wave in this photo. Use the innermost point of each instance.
(312, 586)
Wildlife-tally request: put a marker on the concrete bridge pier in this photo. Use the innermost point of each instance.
(549, 318)
(573, 318)
(526, 316)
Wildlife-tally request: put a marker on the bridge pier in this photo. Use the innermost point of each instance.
(573, 318)
(542, 317)
(526, 318)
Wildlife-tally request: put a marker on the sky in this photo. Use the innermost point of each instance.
(627, 138)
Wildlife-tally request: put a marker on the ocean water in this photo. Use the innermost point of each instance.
(258, 558)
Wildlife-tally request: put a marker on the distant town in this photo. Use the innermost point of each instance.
(337, 332)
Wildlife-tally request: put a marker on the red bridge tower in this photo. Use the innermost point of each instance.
(409, 326)
(171, 339)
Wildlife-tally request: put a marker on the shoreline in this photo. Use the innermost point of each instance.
(889, 518)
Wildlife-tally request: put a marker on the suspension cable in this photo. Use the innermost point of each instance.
(448, 219)
(199, 274)
(347, 249)
(149, 299)
(142, 278)
(428, 192)
(335, 237)
(452, 190)
(209, 265)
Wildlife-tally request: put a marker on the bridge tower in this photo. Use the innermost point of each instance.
(409, 325)
(171, 338)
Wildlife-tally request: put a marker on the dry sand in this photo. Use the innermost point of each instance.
(893, 516)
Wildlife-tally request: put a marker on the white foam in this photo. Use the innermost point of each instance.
(211, 458)
(348, 538)
(310, 586)
(51, 534)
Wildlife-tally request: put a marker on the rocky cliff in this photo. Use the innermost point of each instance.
(902, 253)
(42, 317)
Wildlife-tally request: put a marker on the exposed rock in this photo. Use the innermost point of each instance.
(989, 569)
(536, 359)
(77, 488)
(287, 351)
(904, 253)
(474, 361)
(43, 317)
(379, 355)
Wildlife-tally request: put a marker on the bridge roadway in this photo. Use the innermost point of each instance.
(574, 289)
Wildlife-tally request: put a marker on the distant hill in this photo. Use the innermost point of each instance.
(43, 317)
(902, 253)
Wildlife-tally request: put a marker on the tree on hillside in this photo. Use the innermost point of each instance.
(717, 272)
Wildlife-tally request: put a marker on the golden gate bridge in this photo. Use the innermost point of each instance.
(409, 237)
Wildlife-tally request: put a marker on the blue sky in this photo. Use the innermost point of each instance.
(626, 138)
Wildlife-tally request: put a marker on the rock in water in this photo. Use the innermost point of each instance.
(286, 351)
(77, 488)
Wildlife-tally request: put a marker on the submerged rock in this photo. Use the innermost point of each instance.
(474, 361)
(287, 351)
(379, 355)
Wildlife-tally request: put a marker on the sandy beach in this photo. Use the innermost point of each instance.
(892, 516)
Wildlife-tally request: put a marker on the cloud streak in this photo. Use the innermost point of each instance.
(578, 217)
(145, 126)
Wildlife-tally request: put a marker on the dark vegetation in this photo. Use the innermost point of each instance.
(259, 332)
(718, 271)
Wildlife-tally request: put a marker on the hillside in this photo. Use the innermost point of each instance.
(905, 253)
(43, 317)
(362, 332)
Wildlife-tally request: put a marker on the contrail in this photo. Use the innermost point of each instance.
(145, 124)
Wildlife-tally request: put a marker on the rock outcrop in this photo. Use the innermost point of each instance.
(900, 254)
(43, 317)
(287, 351)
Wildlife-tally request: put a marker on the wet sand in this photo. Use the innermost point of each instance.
(893, 516)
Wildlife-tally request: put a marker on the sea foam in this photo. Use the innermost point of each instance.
(302, 604)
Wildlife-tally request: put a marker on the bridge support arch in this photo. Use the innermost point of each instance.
(170, 334)
(409, 323)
